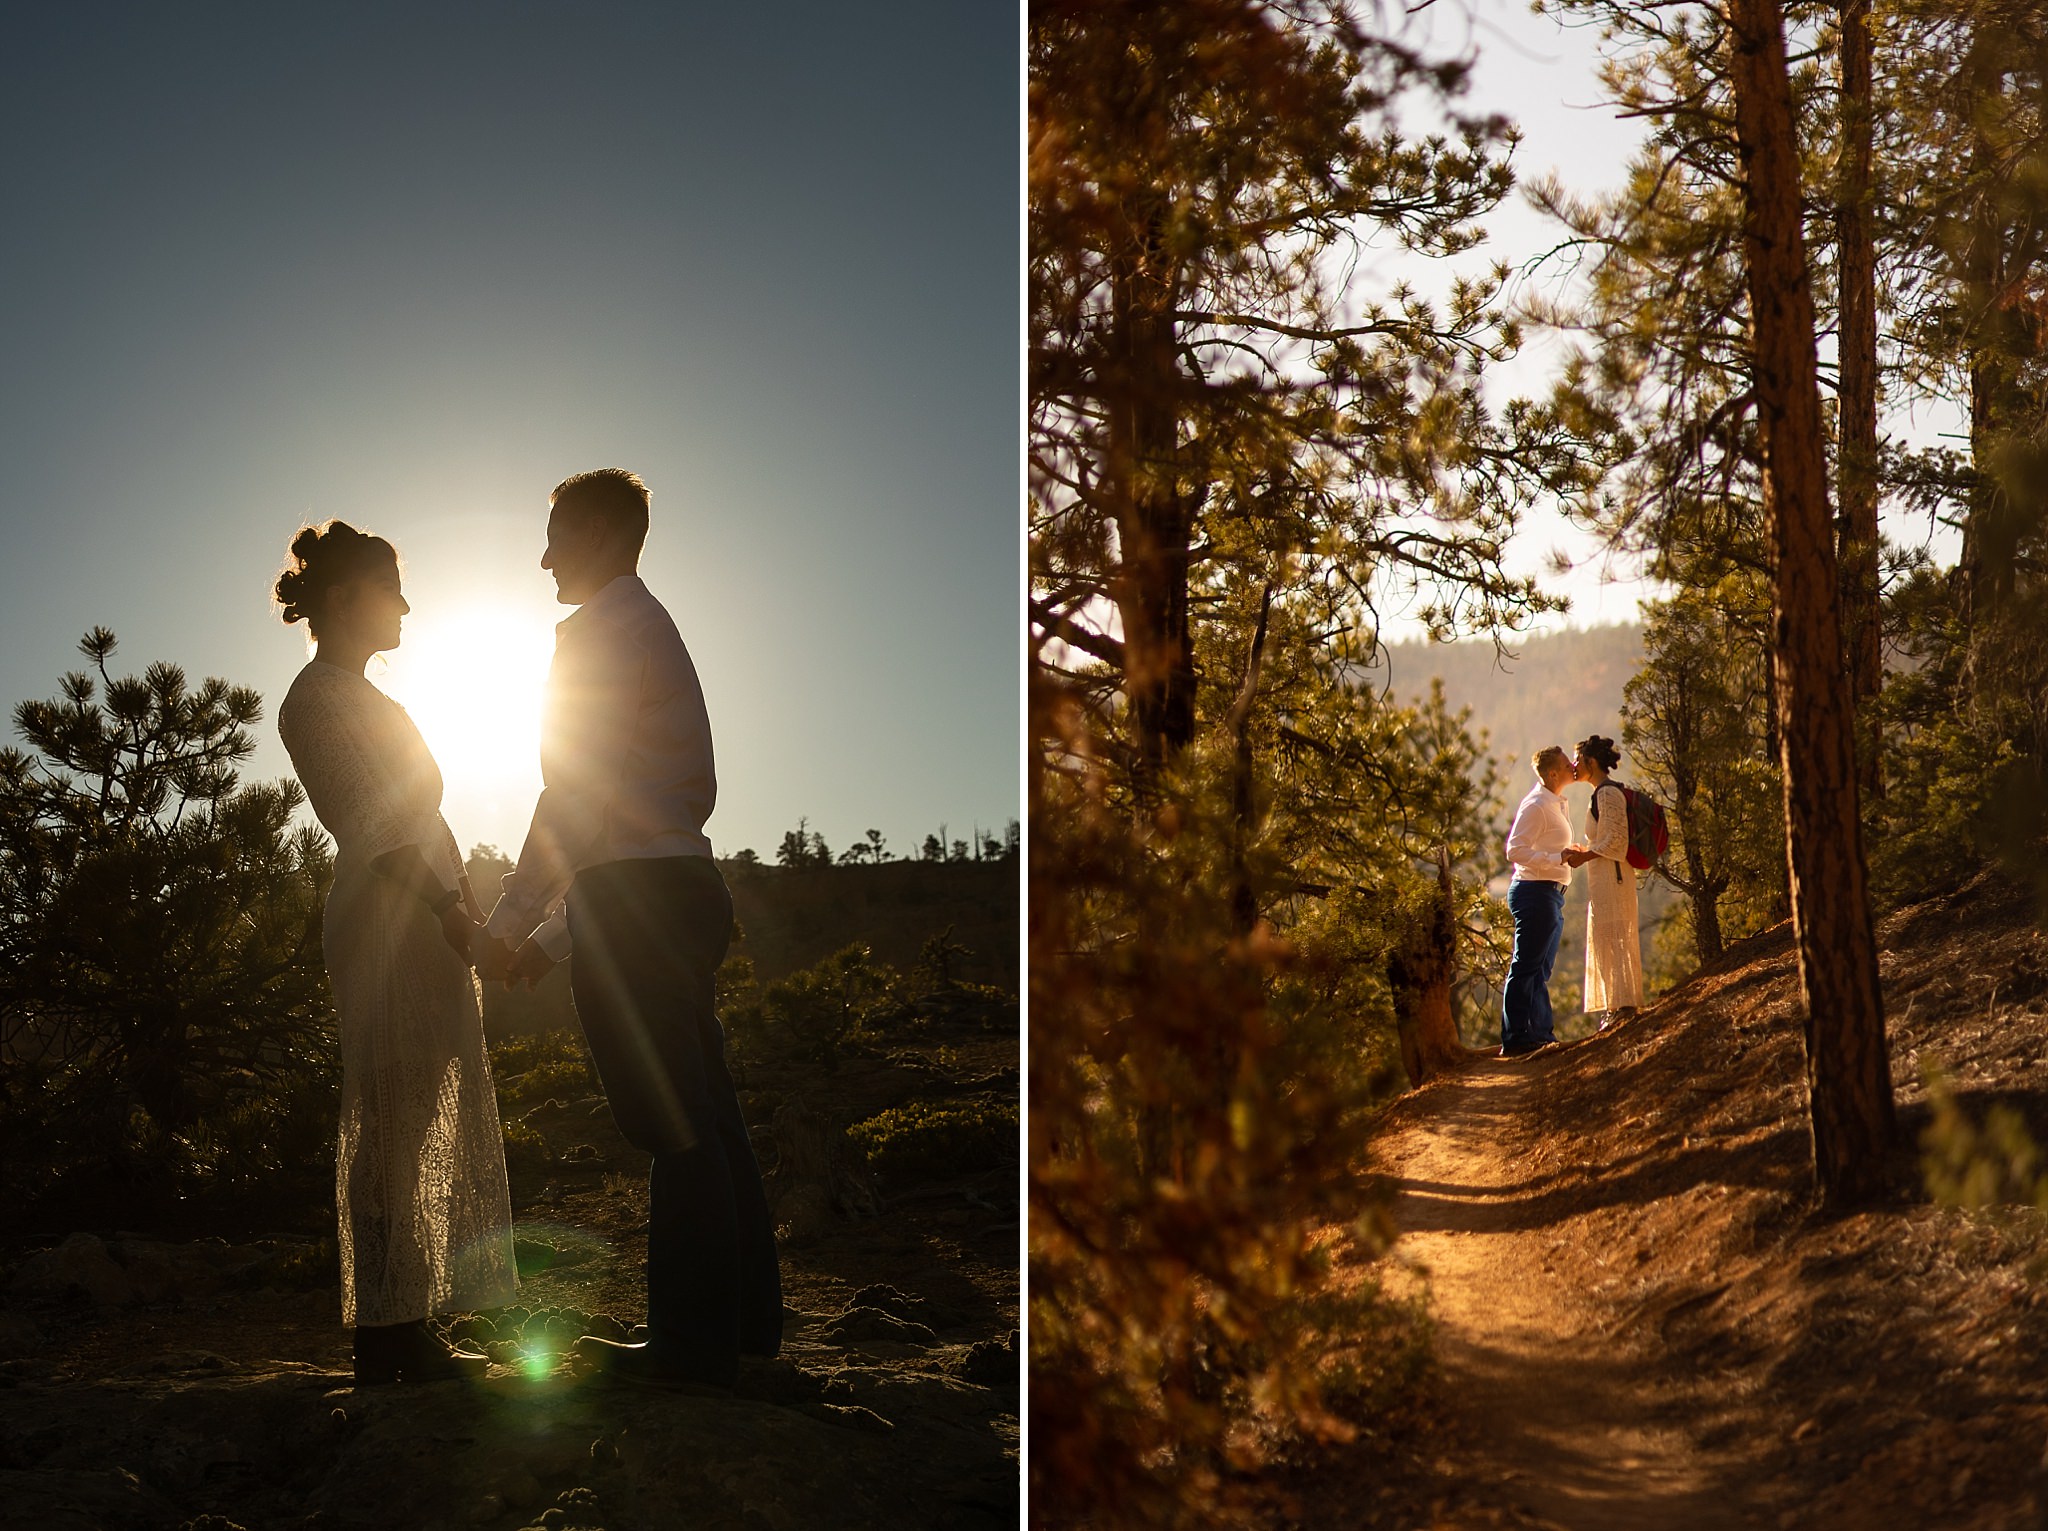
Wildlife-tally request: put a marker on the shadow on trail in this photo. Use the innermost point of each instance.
(1574, 1428)
(1644, 1319)
(1612, 1486)
(1476, 1132)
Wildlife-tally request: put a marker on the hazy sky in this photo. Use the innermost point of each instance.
(1545, 77)
(411, 265)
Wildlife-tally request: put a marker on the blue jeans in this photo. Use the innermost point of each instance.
(1538, 908)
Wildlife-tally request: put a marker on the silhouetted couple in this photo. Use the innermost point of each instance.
(615, 875)
(1544, 854)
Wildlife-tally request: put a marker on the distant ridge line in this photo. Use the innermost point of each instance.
(1560, 687)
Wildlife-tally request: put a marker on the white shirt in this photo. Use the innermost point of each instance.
(1542, 833)
(625, 759)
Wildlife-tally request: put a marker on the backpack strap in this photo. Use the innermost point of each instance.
(1617, 786)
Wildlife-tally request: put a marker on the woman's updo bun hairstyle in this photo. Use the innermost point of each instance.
(323, 557)
(1601, 749)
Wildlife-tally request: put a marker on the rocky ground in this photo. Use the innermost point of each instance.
(152, 1381)
(1641, 1318)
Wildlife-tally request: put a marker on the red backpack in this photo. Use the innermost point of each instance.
(1648, 836)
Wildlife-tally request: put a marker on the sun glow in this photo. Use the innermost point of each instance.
(472, 679)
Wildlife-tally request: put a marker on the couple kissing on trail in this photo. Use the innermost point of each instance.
(615, 877)
(1543, 853)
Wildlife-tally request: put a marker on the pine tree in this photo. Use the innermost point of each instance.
(1207, 392)
(163, 1005)
(1848, 1069)
(1703, 384)
(1859, 544)
(1966, 95)
(1237, 449)
(1692, 723)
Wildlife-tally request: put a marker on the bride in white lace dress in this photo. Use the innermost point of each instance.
(1614, 956)
(426, 1222)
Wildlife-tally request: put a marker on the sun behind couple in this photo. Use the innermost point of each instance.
(616, 876)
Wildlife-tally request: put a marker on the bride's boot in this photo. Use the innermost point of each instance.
(427, 1359)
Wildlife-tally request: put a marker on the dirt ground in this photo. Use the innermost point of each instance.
(167, 1378)
(1641, 1320)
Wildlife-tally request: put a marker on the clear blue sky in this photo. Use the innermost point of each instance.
(411, 265)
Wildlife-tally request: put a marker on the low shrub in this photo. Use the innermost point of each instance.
(1987, 1167)
(551, 1081)
(923, 1138)
(815, 1012)
(850, 1002)
(553, 1065)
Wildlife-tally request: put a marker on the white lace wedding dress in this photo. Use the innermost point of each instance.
(1614, 957)
(426, 1222)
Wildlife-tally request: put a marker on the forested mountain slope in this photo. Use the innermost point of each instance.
(1553, 688)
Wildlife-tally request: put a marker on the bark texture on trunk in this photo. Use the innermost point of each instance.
(1707, 942)
(1997, 400)
(1847, 1068)
(1421, 972)
(1703, 892)
(1154, 512)
(1858, 359)
(1244, 829)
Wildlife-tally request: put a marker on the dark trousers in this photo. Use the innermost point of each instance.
(649, 936)
(1538, 908)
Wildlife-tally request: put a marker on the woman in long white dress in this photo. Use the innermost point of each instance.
(1614, 958)
(426, 1221)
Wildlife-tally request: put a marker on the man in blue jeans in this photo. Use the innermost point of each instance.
(1538, 849)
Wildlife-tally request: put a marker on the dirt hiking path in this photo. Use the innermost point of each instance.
(1581, 1437)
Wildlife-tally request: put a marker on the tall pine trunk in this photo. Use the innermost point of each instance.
(1244, 825)
(1847, 1070)
(1703, 892)
(1997, 401)
(1857, 354)
(1153, 510)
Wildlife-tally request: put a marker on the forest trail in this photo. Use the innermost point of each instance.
(1571, 1426)
(1643, 1320)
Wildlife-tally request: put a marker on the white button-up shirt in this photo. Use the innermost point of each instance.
(1542, 833)
(625, 759)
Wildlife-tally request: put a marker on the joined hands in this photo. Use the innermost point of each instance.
(493, 958)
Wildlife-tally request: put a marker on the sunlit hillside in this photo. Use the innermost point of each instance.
(1552, 689)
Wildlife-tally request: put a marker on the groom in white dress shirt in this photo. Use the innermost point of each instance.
(616, 875)
(1539, 850)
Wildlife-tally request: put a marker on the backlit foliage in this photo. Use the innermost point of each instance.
(165, 1026)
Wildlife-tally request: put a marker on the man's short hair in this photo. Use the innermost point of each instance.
(611, 495)
(1549, 758)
